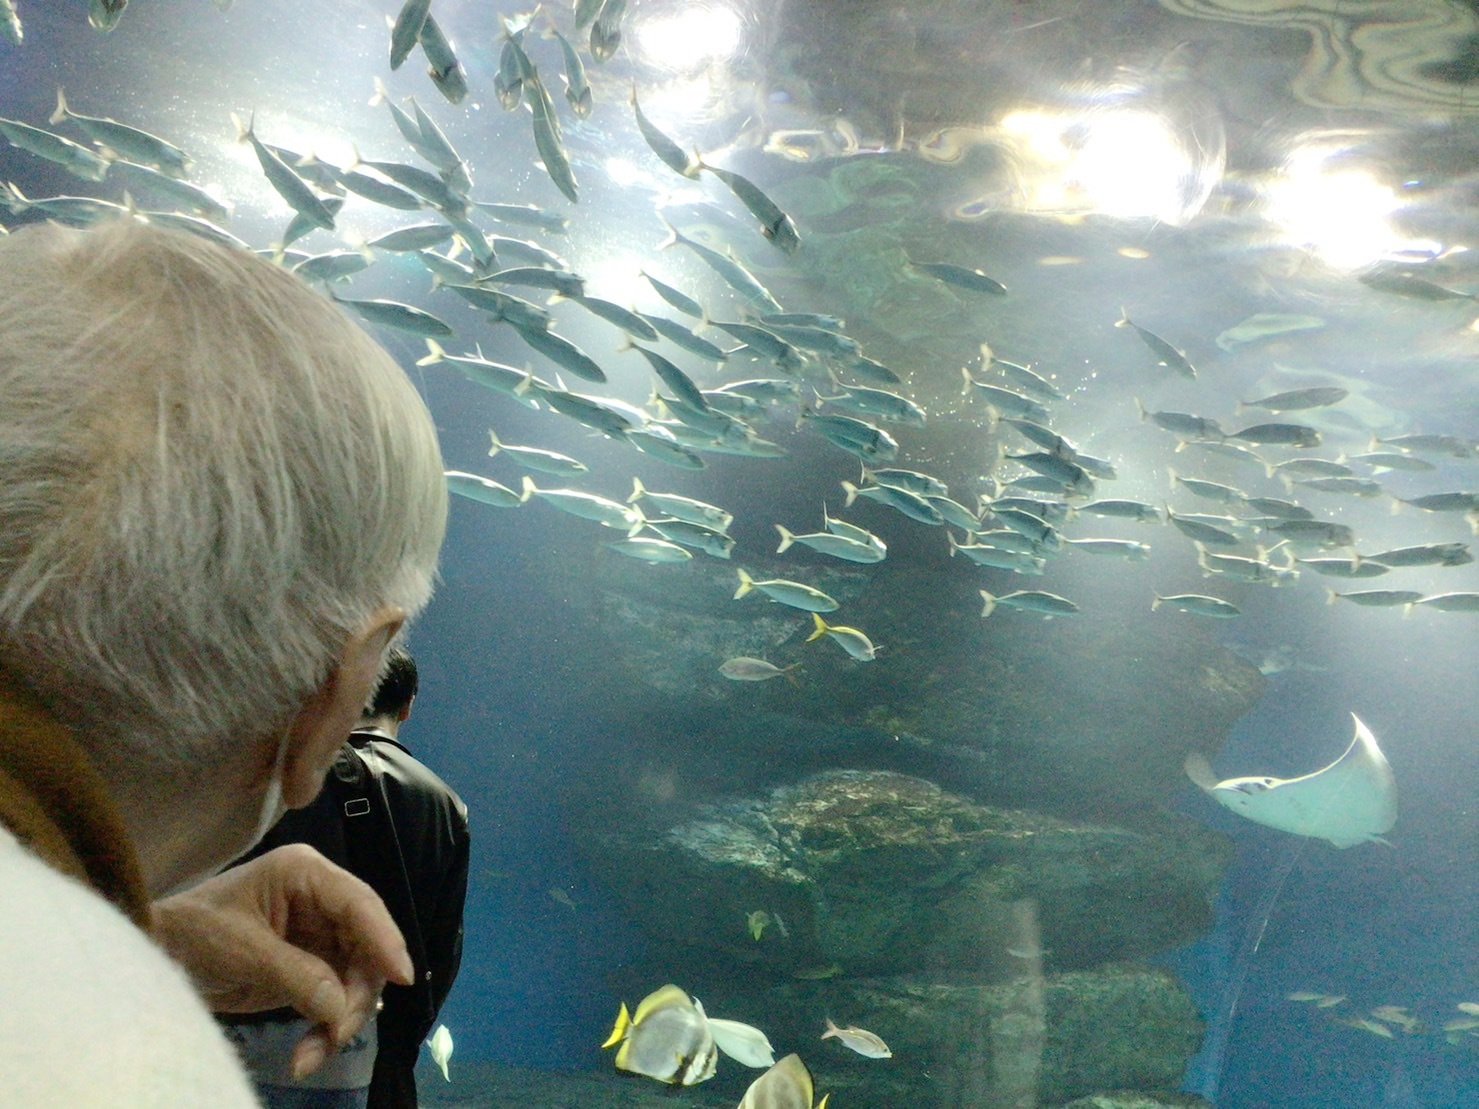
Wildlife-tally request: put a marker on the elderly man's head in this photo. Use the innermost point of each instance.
(214, 490)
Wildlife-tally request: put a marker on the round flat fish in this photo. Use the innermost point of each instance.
(1352, 800)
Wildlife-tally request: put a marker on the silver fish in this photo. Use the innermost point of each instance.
(1197, 604)
(675, 333)
(529, 215)
(401, 317)
(285, 180)
(128, 142)
(547, 138)
(536, 458)
(522, 314)
(1028, 600)
(336, 265)
(577, 88)
(1166, 354)
(1295, 400)
(671, 154)
(746, 669)
(10, 23)
(561, 351)
(679, 300)
(962, 277)
(418, 236)
(857, 1039)
(825, 542)
(1292, 435)
(103, 15)
(442, 66)
(511, 382)
(75, 159)
(675, 379)
(612, 313)
(588, 506)
(137, 179)
(775, 224)
(484, 490)
(727, 267)
(647, 549)
(406, 30)
(606, 30)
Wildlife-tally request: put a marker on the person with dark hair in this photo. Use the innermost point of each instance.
(389, 820)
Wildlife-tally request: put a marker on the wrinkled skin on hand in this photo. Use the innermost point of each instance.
(287, 929)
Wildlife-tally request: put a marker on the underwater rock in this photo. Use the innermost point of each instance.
(875, 872)
(1124, 1099)
(980, 706)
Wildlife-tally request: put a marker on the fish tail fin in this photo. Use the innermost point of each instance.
(832, 1029)
(527, 486)
(821, 625)
(244, 132)
(1171, 470)
(637, 490)
(674, 238)
(381, 96)
(497, 446)
(1155, 604)
(12, 197)
(1331, 596)
(852, 493)
(746, 583)
(786, 539)
(60, 113)
(988, 605)
(954, 546)
(1207, 570)
(789, 672)
(965, 372)
(434, 354)
(620, 1029)
(1144, 412)
(1124, 320)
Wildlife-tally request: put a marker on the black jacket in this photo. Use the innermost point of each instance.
(386, 818)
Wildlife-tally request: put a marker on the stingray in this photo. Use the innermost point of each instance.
(1352, 800)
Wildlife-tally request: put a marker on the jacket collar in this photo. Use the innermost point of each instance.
(54, 801)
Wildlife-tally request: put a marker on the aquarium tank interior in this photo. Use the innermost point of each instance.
(962, 519)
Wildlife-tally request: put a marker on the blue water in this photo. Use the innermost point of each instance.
(520, 711)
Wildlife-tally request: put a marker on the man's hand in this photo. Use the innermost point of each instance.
(288, 928)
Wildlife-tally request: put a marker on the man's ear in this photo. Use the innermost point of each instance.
(327, 718)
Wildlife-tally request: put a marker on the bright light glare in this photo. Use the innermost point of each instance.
(1130, 164)
(690, 39)
(623, 172)
(1123, 163)
(1340, 214)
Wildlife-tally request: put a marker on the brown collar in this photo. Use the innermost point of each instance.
(55, 802)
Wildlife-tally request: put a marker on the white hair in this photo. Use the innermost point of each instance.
(210, 479)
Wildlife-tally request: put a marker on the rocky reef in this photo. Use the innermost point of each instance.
(969, 847)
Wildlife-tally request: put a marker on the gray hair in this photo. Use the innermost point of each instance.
(209, 480)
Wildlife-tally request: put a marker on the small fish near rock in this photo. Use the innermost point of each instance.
(862, 1041)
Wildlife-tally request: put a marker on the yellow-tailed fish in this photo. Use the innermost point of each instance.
(854, 642)
(667, 1039)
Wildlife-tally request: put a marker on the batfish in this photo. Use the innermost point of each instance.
(1352, 800)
